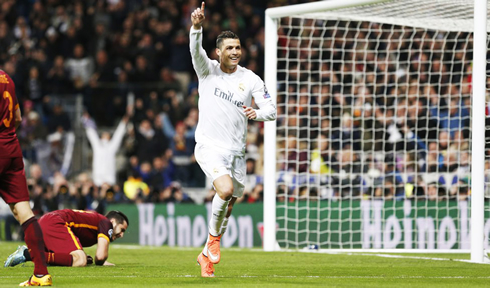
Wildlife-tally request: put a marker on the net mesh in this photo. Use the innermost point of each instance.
(373, 127)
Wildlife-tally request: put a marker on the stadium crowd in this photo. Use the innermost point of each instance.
(384, 108)
(107, 50)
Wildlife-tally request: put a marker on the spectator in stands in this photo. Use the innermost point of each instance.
(101, 40)
(34, 89)
(392, 177)
(256, 195)
(451, 161)
(347, 136)
(296, 155)
(105, 149)
(143, 72)
(456, 118)
(80, 67)
(464, 164)
(435, 191)
(69, 41)
(104, 71)
(162, 173)
(58, 120)
(168, 80)
(180, 62)
(57, 78)
(145, 171)
(151, 142)
(135, 189)
(178, 195)
(182, 153)
(37, 186)
(32, 133)
(459, 141)
(10, 67)
(433, 158)
(443, 141)
(5, 39)
(420, 122)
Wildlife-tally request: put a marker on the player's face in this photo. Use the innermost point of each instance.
(230, 53)
(119, 230)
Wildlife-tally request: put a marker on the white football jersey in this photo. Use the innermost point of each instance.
(222, 121)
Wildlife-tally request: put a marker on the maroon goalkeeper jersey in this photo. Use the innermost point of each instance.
(9, 143)
(88, 226)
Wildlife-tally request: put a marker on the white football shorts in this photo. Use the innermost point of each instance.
(216, 162)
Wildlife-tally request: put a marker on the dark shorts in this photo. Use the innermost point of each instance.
(13, 186)
(58, 237)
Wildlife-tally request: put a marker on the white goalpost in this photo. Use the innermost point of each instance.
(380, 141)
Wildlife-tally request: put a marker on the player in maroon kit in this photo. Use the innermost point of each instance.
(68, 231)
(13, 186)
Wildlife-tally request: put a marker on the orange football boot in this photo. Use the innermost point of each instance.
(214, 254)
(207, 268)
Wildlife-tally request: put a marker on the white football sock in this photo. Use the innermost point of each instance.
(205, 248)
(224, 225)
(219, 209)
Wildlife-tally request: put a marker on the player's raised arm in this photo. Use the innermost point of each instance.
(200, 60)
(197, 17)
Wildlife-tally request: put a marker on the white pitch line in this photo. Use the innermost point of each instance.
(410, 257)
(275, 276)
(139, 247)
(80, 276)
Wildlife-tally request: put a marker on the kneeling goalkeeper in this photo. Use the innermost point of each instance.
(67, 231)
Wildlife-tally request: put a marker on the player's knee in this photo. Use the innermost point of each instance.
(79, 258)
(226, 192)
(14, 211)
(21, 211)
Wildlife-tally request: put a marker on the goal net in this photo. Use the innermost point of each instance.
(373, 131)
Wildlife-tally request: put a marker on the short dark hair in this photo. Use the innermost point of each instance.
(118, 216)
(225, 35)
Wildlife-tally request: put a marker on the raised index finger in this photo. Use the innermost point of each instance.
(202, 6)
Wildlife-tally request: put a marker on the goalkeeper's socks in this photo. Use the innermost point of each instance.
(35, 243)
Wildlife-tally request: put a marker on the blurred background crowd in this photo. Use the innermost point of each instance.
(85, 66)
(368, 119)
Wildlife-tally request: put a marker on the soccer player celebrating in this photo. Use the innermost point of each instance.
(67, 231)
(226, 91)
(13, 186)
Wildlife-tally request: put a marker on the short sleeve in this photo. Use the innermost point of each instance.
(105, 229)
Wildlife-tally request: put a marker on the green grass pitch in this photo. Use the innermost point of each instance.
(165, 266)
